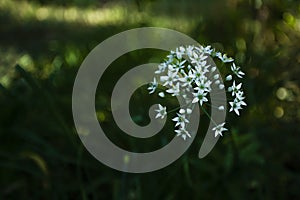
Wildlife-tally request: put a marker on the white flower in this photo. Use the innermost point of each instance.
(161, 111)
(161, 94)
(153, 86)
(228, 78)
(216, 76)
(189, 111)
(178, 65)
(197, 58)
(199, 73)
(224, 57)
(189, 50)
(235, 88)
(213, 69)
(172, 68)
(185, 111)
(239, 98)
(236, 70)
(182, 132)
(181, 111)
(187, 79)
(170, 59)
(235, 106)
(206, 49)
(241, 102)
(169, 79)
(200, 97)
(175, 90)
(179, 52)
(239, 95)
(219, 129)
(219, 55)
(203, 85)
(221, 108)
(180, 120)
(161, 68)
(193, 83)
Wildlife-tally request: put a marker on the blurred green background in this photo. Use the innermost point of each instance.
(41, 156)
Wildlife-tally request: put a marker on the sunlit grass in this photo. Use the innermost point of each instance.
(9, 58)
(111, 14)
(115, 14)
(26, 11)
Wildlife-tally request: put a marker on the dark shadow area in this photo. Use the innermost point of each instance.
(41, 155)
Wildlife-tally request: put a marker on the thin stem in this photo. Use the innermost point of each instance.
(208, 115)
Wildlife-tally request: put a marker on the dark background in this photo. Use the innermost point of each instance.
(41, 156)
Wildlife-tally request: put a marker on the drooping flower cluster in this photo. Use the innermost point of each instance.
(187, 73)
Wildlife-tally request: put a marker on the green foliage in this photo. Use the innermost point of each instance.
(41, 156)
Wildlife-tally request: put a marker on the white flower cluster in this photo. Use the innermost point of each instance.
(186, 73)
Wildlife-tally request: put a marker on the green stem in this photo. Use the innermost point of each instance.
(208, 115)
